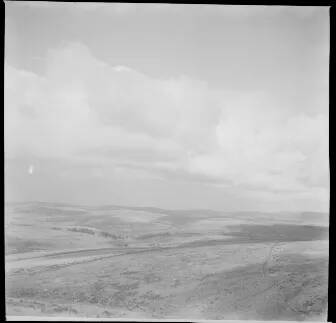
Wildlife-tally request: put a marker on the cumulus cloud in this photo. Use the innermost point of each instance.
(82, 109)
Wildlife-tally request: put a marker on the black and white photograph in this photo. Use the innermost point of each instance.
(166, 161)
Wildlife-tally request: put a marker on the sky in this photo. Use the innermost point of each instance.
(174, 106)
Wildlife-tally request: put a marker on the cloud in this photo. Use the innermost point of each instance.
(226, 11)
(84, 110)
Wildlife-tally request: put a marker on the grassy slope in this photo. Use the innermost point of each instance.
(192, 264)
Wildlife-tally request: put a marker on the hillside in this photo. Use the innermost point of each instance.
(118, 261)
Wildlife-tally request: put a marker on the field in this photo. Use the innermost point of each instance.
(137, 262)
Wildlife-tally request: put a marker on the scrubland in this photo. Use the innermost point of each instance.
(129, 262)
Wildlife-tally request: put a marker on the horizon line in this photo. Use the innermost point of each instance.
(159, 208)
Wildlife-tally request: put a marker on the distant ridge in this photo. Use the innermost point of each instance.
(186, 212)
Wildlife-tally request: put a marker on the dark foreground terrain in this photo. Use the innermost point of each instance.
(127, 262)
